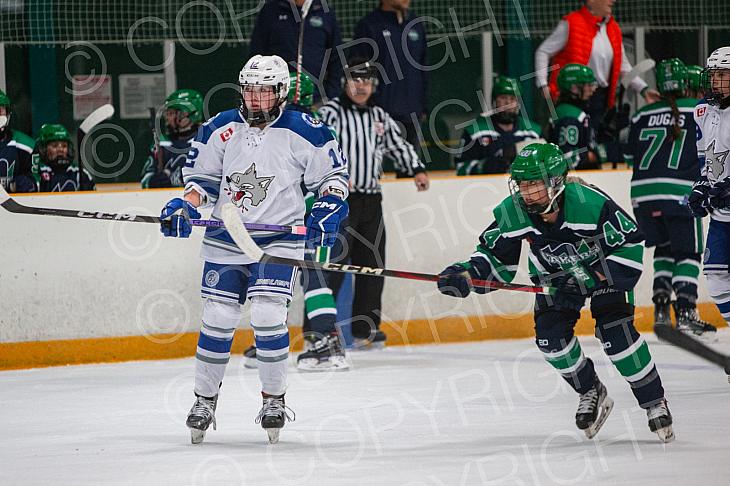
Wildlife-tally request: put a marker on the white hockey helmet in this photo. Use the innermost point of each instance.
(265, 71)
(719, 59)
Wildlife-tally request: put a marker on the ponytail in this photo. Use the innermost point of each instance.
(676, 130)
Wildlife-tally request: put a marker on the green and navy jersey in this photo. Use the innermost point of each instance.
(16, 150)
(174, 155)
(591, 230)
(571, 131)
(487, 149)
(66, 180)
(664, 168)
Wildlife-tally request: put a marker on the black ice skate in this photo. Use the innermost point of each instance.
(327, 354)
(594, 407)
(662, 304)
(660, 421)
(273, 415)
(200, 417)
(689, 322)
(249, 358)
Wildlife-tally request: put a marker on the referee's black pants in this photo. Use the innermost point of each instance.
(365, 245)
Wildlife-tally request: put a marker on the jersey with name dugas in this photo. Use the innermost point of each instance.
(591, 229)
(665, 166)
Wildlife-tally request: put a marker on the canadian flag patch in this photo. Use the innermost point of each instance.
(227, 134)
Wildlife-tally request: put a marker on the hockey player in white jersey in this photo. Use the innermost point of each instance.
(256, 158)
(711, 193)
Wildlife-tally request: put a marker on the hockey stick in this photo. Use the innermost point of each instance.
(305, 11)
(640, 68)
(97, 116)
(691, 345)
(243, 240)
(13, 206)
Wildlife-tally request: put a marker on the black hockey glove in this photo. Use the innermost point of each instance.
(720, 194)
(456, 280)
(579, 280)
(699, 199)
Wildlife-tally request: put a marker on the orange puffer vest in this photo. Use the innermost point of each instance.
(582, 28)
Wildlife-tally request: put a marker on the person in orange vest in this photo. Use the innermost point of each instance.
(592, 37)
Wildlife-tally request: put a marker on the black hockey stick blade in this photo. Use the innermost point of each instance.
(691, 345)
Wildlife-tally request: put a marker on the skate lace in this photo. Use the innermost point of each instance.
(690, 319)
(587, 402)
(657, 411)
(324, 344)
(202, 408)
(274, 407)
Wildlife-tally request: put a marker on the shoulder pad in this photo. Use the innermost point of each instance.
(219, 121)
(304, 125)
(23, 141)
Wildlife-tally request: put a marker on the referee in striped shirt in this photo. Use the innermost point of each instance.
(366, 133)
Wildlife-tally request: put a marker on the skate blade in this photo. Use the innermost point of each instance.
(603, 414)
(705, 337)
(273, 435)
(312, 366)
(197, 436)
(666, 434)
(368, 346)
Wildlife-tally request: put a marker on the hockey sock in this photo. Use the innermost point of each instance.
(321, 310)
(214, 345)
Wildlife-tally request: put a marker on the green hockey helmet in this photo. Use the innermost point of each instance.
(694, 77)
(306, 89)
(537, 177)
(671, 76)
(188, 101)
(504, 85)
(575, 74)
(5, 119)
(4, 99)
(54, 132)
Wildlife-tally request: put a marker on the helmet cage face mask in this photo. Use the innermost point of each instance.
(718, 66)
(719, 95)
(554, 187)
(258, 117)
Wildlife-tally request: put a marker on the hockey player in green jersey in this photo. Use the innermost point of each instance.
(571, 130)
(665, 164)
(183, 115)
(489, 144)
(584, 245)
(55, 161)
(16, 147)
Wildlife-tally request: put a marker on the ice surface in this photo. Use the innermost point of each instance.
(462, 414)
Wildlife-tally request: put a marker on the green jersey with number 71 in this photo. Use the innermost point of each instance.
(661, 149)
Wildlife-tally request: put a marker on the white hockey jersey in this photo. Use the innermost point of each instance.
(261, 171)
(713, 146)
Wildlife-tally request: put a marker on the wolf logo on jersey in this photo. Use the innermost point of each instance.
(247, 185)
(715, 161)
